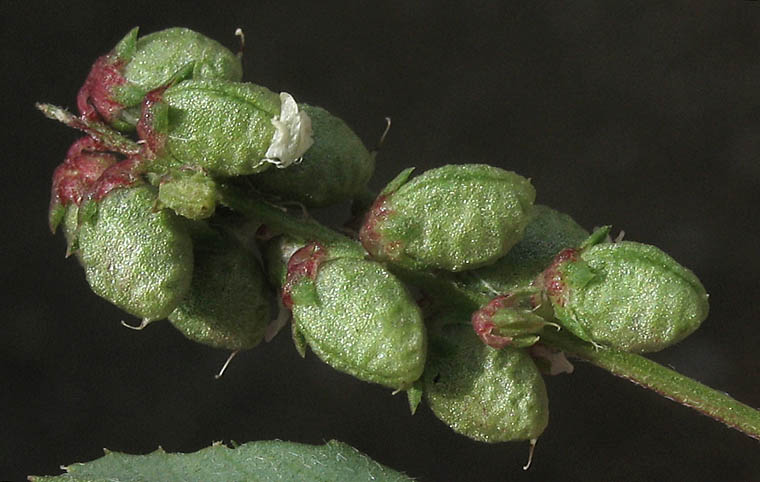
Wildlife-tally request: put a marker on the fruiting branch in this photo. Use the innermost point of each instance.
(634, 368)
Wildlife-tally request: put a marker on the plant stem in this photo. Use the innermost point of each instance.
(666, 382)
(280, 221)
(635, 368)
(97, 130)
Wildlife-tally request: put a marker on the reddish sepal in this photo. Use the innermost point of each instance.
(154, 140)
(482, 321)
(551, 279)
(95, 98)
(125, 173)
(303, 263)
(85, 162)
(370, 236)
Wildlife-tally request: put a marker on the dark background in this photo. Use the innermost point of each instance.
(644, 115)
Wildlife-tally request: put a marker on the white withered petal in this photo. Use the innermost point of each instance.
(292, 136)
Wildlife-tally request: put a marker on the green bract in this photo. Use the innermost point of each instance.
(70, 227)
(486, 394)
(225, 128)
(118, 81)
(356, 316)
(454, 217)
(625, 295)
(336, 168)
(547, 233)
(137, 259)
(227, 305)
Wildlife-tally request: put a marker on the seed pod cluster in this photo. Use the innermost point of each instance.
(137, 215)
(177, 142)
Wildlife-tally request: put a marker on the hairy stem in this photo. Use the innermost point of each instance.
(666, 382)
(635, 368)
(97, 130)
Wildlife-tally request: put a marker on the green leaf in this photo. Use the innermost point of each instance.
(264, 461)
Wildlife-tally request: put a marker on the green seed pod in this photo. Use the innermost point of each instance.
(119, 80)
(335, 169)
(189, 193)
(548, 232)
(486, 394)
(356, 316)
(227, 305)
(455, 217)
(625, 295)
(225, 128)
(137, 259)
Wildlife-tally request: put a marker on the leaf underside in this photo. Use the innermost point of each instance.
(261, 461)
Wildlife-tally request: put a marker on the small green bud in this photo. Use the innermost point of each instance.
(624, 295)
(335, 169)
(356, 316)
(455, 217)
(486, 394)
(225, 128)
(548, 232)
(119, 80)
(137, 259)
(508, 320)
(227, 305)
(189, 193)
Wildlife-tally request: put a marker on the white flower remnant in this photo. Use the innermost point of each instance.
(292, 136)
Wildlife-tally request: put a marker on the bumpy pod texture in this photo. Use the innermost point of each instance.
(227, 305)
(119, 80)
(626, 295)
(486, 394)
(358, 318)
(455, 217)
(548, 232)
(226, 128)
(139, 260)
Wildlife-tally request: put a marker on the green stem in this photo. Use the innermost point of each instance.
(666, 382)
(635, 368)
(278, 220)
